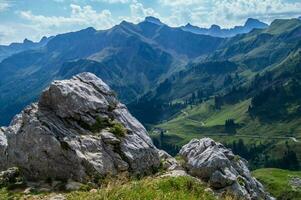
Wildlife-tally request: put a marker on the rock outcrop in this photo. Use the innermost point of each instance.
(78, 130)
(224, 171)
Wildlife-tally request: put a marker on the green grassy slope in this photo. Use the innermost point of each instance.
(168, 188)
(278, 183)
(204, 120)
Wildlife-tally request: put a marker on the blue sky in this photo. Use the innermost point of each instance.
(33, 19)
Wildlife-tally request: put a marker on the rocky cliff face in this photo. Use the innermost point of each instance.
(224, 171)
(77, 130)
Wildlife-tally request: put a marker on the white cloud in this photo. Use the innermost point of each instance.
(84, 16)
(113, 1)
(37, 26)
(228, 12)
(11, 33)
(80, 17)
(173, 12)
(179, 2)
(4, 6)
(138, 12)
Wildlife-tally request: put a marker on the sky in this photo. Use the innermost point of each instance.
(33, 19)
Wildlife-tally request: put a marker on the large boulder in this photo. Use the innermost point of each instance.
(78, 130)
(224, 171)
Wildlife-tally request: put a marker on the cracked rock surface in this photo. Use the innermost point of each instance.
(78, 130)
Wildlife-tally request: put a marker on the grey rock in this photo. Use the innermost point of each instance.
(109, 138)
(57, 197)
(3, 148)
(169, 163)
(93, 191)
(28, 190)
(66, 134)
(295, 182)
(73, 185)
(175, 173)
(222, 179)
(10, 176)
(225, 172)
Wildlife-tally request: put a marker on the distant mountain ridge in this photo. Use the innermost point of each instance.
(217, 31)
(13, 48)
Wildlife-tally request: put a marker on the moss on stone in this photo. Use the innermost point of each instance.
(118, 129)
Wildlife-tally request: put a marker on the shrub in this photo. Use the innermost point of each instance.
(118, 129)
(100, 124)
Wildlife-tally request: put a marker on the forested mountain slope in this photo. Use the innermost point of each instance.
(234, 64)
(259, 114)
(132, 58)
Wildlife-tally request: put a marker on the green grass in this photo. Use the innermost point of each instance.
(204, 115)
(9, 195)
(169, 188)
(149, 188)
(283, 25)
(277, 182)
(204, 121)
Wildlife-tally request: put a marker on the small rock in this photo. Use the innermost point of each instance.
(93, 190)
(11, 176)
(43, 189)
(58, 197)
(209, 190)
(72, 185)
(28, 190)
(295, 182)
(175, 173)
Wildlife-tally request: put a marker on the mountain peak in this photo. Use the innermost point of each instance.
(188, 25)
(215, 27)
(89, 29)
(251, 22)
(27, 41)
(153, 20)
(124, 23)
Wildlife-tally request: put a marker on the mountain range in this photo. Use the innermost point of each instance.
(13, 48)
(217, 31)
(183, 83)
(131, 58)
